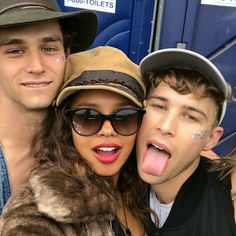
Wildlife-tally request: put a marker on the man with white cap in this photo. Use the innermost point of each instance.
(185, 105)
(35, 38)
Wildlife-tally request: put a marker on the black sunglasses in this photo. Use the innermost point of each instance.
(87, 121)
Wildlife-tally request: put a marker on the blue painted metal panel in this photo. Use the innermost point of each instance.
(173, 20)
(129, 29)
(211, 31)
(142, 23)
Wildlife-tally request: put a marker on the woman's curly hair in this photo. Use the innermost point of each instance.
(226, 165)
(57, 146)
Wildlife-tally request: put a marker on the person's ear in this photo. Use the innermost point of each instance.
(213, 138)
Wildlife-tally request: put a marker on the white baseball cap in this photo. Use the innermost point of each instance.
(176, 57)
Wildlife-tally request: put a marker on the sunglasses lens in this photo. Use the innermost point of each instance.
(86, 122)
(127, 121)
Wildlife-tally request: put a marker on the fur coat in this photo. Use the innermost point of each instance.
(55, 204)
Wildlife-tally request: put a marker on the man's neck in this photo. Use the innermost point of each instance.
(19, 124)
(18, 133)
(20, 127)
(166, 192)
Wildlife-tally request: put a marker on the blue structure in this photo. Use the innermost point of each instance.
(128, 28)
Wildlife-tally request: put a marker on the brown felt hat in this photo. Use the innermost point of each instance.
(82, 23)
(105, 68)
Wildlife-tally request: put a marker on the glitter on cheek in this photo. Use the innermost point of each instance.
(61, 59)
(199, 134)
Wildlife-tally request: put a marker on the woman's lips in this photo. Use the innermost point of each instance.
(107, 153)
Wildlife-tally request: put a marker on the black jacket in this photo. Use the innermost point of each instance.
(203, 207)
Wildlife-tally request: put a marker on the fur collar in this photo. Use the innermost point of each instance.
(69, 200)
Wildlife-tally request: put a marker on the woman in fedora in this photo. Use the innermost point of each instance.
(87, 182)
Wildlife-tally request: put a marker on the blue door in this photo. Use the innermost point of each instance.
(124, 24)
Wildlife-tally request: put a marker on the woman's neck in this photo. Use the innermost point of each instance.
(130, 224)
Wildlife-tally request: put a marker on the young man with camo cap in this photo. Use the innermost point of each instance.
(35, 38)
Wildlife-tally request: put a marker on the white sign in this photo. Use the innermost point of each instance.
(224, 3)
(96, 5)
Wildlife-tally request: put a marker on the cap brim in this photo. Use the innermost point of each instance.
(83, 23)
(175, 57)
(122, 90)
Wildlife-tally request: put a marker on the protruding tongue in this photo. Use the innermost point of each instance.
(155, 161)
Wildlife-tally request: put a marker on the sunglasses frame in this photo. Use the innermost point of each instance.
(103, 118)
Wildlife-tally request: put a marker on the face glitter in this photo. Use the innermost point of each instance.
(61, 59)
(199, 134)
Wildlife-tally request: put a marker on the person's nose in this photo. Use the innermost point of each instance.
(167, 124)
(35, 63)
(106, 129)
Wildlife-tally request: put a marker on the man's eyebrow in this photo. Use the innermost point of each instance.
(53, 38)
(158, 98)
(10, 41)
(191, 108)
(196, 110)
